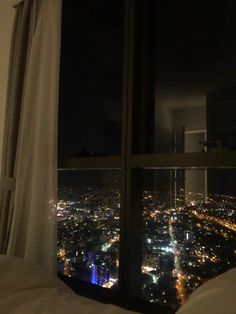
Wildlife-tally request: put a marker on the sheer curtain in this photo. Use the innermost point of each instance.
(7, 14)
(27, 214)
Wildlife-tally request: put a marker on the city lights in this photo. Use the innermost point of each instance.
(182, 247)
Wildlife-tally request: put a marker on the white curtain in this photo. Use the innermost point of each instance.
(7, 14)
(28, 225)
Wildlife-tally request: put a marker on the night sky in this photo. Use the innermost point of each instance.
(195, 49)
(91, 77)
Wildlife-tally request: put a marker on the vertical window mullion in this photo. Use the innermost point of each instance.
(130, 250)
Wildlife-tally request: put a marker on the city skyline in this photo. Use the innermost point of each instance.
(188, 238)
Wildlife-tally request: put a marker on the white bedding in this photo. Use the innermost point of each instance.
(27, 289)
(216, 296)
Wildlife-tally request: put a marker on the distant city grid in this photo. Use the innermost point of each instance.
(188, 238)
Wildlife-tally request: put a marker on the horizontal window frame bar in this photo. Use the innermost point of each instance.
(96, 162)
(220, 159)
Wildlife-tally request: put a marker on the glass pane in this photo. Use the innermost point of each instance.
(186, 67)
(88, 216)
(189, 231)
(91, 78)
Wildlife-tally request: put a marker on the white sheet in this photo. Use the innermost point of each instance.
(27, 289)
(216, 296)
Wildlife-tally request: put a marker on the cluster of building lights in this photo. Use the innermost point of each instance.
(178, 250)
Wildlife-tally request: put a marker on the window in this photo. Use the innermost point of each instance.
(89, 225)
(188, 231)
(89, 176)
(147, 146)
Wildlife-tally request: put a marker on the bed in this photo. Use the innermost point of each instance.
(216, 296)
(27, 289)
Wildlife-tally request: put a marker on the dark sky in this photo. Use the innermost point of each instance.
(195, 49)
(91, 76)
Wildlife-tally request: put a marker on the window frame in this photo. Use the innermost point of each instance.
(131, 166)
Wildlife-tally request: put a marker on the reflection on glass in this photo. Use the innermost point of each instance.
(193, 70)
(88, 217)
(189, 233)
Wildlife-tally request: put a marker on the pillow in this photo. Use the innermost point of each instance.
(27, 288)
(216, 296)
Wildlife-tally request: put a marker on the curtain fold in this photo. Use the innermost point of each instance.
(28, 217)
(19, 43)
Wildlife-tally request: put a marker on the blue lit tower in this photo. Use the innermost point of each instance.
(94, 274)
